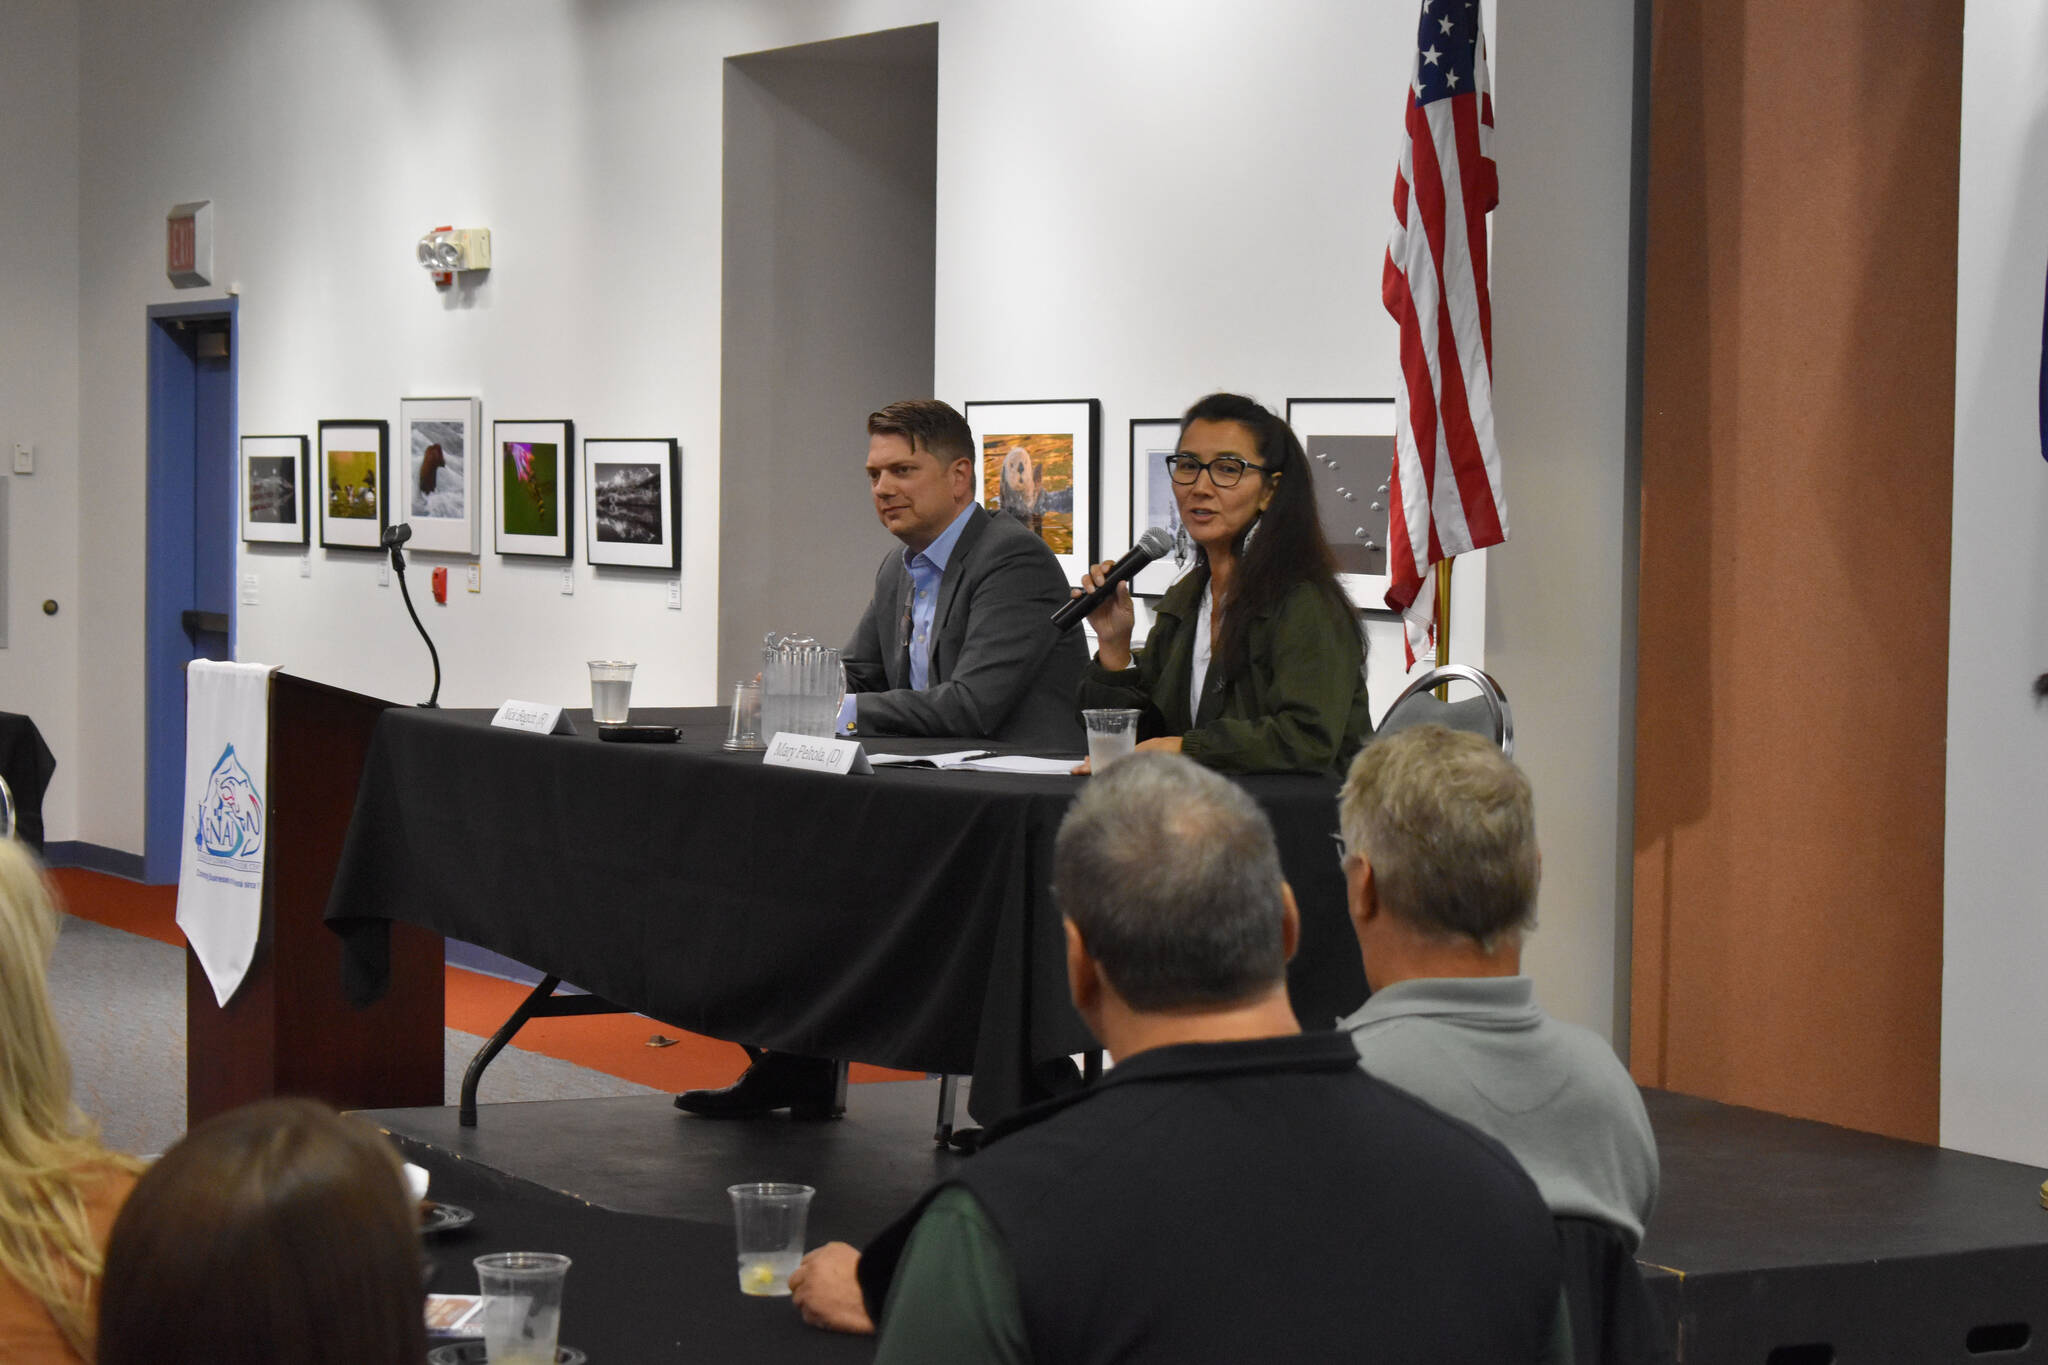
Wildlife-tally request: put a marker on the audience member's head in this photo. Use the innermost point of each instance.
(51, 1159)
(1445, 829)
(1168, 874)
(278, 1231)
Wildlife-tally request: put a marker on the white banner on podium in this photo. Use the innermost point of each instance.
(227, 771)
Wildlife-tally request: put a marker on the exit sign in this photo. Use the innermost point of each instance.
(188, 244)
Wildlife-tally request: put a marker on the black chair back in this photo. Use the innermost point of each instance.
(1613, 1320)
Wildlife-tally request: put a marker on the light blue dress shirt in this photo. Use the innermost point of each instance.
(927, 569)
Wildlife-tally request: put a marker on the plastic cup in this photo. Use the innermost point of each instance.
(522, 1314)
(611, 690)
(745, 730)
(1112, 733)
(768, 1218)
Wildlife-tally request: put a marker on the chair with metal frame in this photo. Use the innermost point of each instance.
(1486, 714)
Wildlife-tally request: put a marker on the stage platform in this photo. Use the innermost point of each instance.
(1776, 1241)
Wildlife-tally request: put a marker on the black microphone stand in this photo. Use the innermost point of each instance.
(394, 541)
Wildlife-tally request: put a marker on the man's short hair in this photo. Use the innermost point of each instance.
(929, 425)
(1170, 873)
(1449, 826)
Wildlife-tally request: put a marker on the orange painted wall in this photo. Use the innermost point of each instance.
(1798, 381)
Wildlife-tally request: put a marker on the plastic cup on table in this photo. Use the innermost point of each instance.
(768, 1220)
(1112, 733)
(522, 1313)
(611, 690)
(745, 730)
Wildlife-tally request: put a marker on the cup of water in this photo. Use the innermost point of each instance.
(745, 730)
(611, 690)
(769, 1217)
(1112, 733)
(522, 1313)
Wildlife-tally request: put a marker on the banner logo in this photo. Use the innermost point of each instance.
(230, 816)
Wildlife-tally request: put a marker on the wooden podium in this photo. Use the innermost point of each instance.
(288, 1030)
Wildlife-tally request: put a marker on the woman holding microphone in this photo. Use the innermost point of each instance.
(1255, 661)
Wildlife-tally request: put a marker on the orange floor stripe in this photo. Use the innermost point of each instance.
(615, 1044)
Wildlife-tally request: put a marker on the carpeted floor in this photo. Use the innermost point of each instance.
(118, 984)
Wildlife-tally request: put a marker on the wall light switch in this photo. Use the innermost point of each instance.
(476, 578)
(250, 585)
(568, 582)
(383, 573)
(306, 565)
(24, 458)
(675, 594)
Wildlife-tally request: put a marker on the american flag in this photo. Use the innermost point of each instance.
(1445, 494)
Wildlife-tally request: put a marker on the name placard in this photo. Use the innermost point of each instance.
(534, 717)
(816, 753)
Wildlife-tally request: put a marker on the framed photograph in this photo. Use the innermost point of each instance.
(436, 487)
(535, 462)
(1153, 440)
(1350, 445)
(276, 502)
(352, 474)
(1039, 465)
(632, 489)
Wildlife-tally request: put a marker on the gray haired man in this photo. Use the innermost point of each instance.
(1233, 1189)
(1441, 865)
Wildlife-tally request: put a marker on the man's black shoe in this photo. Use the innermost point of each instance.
(810, 1088)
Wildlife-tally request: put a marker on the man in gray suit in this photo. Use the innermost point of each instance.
(957, 640)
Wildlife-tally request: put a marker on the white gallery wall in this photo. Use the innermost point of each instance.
(39, 381)
(1138, 200)
(1994, 1018)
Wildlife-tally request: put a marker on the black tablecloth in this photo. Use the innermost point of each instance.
(903, 919)
(27, 764)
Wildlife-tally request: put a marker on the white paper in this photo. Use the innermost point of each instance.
(534, 717)
(227, 771)
(1023, 763)
(953, 760)
(817, 753)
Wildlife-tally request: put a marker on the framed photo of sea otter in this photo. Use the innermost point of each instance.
(352, 477)
(534, 462)
(1350, 446)
(436, 486)
(275, 505)
(1039, 462)
(632, 490)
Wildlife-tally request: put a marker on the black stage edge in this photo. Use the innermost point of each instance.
(1776, 1241)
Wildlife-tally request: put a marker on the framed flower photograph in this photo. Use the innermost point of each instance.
(534, 464)
(633, 497)
(436, 485)
(1153, 441)
(1350, 446)
(352, 476)
(276, 498)
(1039, 463)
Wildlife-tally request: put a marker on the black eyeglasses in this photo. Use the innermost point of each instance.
(1224, 470)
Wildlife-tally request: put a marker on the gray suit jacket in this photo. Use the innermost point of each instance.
(998, 668)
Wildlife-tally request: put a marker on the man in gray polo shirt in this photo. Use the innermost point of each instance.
(1441, 865)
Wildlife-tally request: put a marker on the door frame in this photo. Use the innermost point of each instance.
(169, 553)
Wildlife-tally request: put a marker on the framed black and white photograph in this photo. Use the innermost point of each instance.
(437, 487)
(276, 499)
(632, 489)
(1350, 446)
(352, 477)
(1153, 442)
(1039, 462)
(535, 462)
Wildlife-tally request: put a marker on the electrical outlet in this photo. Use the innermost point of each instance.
(568, 581)
(250, 586)
(475, 578)
(24, 458)
(306, 565)
(675, 594)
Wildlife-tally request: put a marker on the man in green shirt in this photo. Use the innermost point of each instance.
(1234, 1189)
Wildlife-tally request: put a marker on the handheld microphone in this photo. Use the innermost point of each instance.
(1155, 542)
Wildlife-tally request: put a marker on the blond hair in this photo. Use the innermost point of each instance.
(1449, 826)
(50, 1153)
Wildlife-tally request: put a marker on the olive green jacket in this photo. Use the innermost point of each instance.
(1300, 706)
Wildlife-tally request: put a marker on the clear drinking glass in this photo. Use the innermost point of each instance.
(1112, 733)
(611, 690)
(522, 1314)
(745, 730)
(768, 1220)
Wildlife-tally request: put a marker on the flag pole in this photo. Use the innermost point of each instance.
(1443, 621)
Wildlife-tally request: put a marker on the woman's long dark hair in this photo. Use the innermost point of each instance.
(1288, 547)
